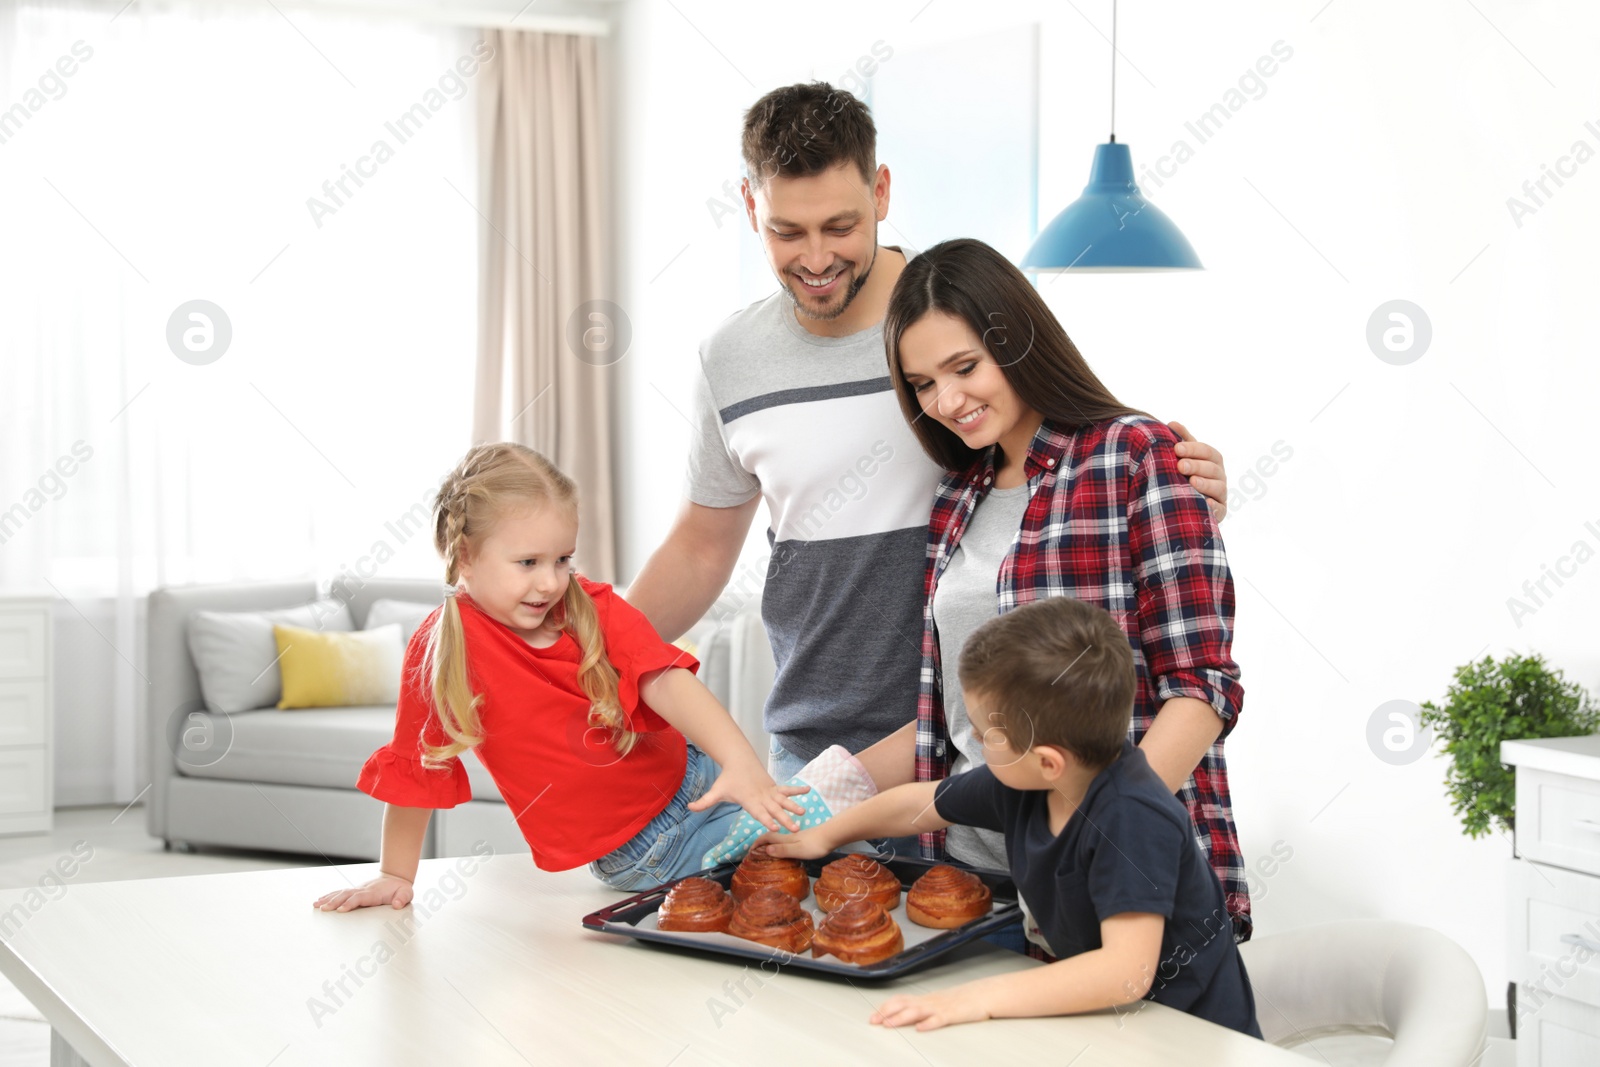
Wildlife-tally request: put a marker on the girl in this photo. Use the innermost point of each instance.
(567, 696)
(1056, 488)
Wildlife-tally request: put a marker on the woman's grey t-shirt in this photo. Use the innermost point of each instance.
(965, 599)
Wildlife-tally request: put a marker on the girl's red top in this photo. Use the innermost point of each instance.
(574, 798)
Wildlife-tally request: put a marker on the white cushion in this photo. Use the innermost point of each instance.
(236, 655)
(408, 613)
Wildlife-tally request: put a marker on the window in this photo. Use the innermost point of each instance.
(313, 180)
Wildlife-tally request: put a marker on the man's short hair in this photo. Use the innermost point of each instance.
(1054, 672)
(805, 129)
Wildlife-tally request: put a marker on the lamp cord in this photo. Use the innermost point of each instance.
(1113, 71)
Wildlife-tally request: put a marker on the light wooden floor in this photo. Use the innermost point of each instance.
(118, 848)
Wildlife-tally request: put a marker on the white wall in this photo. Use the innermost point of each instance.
(1418, 498)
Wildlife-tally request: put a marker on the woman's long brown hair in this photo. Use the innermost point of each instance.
(971, 281)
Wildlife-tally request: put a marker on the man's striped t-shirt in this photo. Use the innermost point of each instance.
(812, 425)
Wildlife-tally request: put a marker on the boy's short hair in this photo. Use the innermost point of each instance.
(1054, 672)
(806, 128)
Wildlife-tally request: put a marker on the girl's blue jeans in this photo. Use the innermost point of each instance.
(672, 844)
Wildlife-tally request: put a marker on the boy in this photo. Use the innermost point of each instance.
(1104, 854)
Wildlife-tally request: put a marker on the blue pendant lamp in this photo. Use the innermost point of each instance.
(1111, 227)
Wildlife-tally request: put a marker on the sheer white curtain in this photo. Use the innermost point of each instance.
(313, 178)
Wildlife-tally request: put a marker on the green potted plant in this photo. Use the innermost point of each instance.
(1490, 702)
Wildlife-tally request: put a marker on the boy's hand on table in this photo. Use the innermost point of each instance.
(384, 889)
(753, 789)
(931, 1010)
(805, 845)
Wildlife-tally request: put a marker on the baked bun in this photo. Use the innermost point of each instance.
(762, 870)
(773, 917)
(856, 877)
(945, 898)
(696, 905)
(858, 931)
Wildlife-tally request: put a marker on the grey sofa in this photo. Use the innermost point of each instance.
(285, 781)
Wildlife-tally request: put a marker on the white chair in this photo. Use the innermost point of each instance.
(1369, 992)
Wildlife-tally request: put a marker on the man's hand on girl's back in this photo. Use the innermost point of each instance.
(1203, 465)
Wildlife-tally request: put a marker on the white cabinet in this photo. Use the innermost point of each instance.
(26, 698)
(1554, 948)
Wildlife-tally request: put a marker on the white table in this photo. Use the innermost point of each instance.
(229, 969)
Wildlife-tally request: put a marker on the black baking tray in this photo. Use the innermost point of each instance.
(624, 916)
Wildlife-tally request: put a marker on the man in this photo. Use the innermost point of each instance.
(793, 403)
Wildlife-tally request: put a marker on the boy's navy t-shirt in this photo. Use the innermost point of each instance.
(1128, 847)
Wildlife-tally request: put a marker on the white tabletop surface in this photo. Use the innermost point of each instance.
(1578, 756)
(223, 969)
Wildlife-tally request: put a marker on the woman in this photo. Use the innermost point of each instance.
(1055, 488)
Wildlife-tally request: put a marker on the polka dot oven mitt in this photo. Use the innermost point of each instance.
(837, 780)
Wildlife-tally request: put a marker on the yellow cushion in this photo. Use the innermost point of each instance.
(331, 669)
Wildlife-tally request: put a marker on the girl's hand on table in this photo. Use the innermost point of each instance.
(384, 889)
(932, 1010)
(753, 789)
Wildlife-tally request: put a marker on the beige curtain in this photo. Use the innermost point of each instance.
(544, 368)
